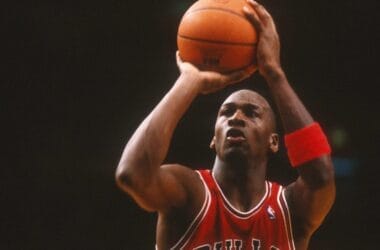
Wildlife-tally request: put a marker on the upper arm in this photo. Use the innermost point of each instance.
(311, 196)
(171, 186)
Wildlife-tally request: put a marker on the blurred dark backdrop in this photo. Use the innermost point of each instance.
(79, 76)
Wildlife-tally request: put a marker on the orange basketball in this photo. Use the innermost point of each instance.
(216, 35)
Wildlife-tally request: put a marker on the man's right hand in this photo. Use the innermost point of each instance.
(210, 81)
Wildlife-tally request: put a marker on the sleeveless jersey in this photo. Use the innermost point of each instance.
(219, 225)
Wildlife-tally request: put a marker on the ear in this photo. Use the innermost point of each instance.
(274, 142)
(212, 143)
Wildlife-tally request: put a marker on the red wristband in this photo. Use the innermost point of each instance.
(306, 144)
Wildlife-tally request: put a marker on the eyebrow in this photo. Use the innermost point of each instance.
(250, 105)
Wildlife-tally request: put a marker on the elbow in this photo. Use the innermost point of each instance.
(128, 180)
(325, 182)
(124, 177)
(319, 174)
(326, 177)
(132, 177)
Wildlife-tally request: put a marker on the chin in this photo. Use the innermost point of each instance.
(235, 155)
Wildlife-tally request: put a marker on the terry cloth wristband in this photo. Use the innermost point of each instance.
(306, 144)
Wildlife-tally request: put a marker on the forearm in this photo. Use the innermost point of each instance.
(292, 112)
(295, 116)
(147, 148)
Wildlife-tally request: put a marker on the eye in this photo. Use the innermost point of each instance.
(250, 112)
(227, 111)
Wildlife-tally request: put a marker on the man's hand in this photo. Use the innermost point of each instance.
(210, 81)
(268, 47)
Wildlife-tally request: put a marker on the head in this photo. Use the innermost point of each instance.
(245, 128)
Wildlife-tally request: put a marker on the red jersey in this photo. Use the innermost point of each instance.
(219, 225)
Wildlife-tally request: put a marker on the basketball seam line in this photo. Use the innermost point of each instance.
(220, 9)
(218, 42)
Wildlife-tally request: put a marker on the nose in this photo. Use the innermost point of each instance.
(237, 119)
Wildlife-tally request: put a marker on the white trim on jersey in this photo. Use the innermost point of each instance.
(236, 212)
(202, 212)
(286, 216)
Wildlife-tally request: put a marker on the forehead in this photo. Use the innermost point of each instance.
(247, 97)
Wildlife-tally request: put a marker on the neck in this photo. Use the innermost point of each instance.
(243, 182)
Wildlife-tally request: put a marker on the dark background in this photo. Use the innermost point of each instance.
(79, 76)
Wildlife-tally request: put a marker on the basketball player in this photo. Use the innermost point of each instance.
(232, 206)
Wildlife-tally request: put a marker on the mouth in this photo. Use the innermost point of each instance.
(235, 135)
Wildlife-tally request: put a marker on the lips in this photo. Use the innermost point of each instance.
(235, 135)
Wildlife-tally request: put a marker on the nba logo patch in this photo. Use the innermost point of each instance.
(271, 213)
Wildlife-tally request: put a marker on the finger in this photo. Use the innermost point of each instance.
(253, 17)
(262, 13)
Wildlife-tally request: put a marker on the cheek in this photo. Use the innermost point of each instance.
(260, 133)
(218, 134)
(218, 129)
(262, 136)
(218, 137)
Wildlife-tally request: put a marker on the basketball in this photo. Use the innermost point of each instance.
(216, 35)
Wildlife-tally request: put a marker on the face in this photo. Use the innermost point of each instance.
(245, 127)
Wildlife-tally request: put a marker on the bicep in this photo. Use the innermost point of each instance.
(165, 189)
